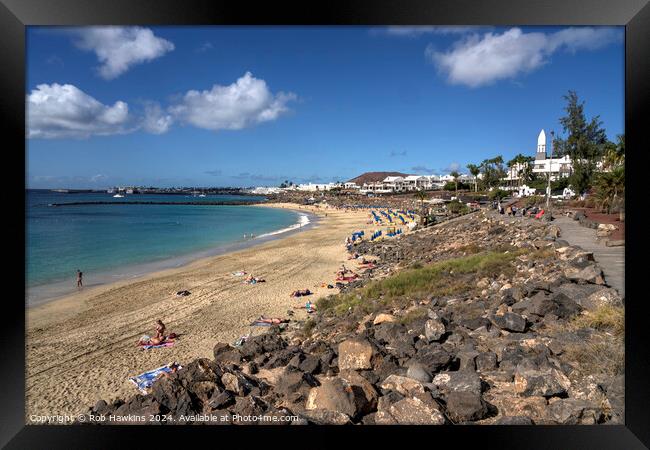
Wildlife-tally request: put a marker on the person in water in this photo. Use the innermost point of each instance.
(79, 278)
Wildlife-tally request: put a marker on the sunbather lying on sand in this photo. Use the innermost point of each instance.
(301, 293)
(252, 280)
(309, 306)
(173, 367)
(274, 321)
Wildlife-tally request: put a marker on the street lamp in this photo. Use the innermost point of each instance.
(550, 164)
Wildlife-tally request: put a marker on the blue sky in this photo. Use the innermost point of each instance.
(242, 106)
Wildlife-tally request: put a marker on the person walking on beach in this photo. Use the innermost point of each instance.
(79, 278)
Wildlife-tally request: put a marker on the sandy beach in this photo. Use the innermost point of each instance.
(82, 348)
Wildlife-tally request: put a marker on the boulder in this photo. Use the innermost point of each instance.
(514, 420)
(433, 357)
(486, 361)
(590, 274)
(259, 345)
(535, 408)
(410, 411)
(172, 395)
(572, 411)
(248, 407)
(510, 322)
(358, 381)
(602, 297)
(465, 381)
(464, 406)
(383, 318)
(221, 400)
(326, 417)
(558, 304)
(535, 380)
(226, 354)
(434, 330)
(339, 395)
(310, 364)
(389, 332)
(355, 354)
(467, 360)
(403, 385)
(418, 372)
(292, 381)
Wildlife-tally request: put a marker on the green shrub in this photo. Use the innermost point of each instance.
(456, 207)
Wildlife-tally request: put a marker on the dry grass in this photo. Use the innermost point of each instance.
(440, 279)
(600, 355)
(604, 318)
(308, 327)
(413, 315)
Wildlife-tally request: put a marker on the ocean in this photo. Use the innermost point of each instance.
(114, 242)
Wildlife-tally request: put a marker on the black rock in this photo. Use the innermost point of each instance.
(514, 420)
(510, 322)
(433, 357)
(486, 361)
(221, 400)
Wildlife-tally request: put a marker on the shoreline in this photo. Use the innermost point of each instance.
(50, 292)
(81, 348)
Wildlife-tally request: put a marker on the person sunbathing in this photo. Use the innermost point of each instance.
(253, 280)
(174, 369)
(273, 321)
(300, 293)
(160, 333)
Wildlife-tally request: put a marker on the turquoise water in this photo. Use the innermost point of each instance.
(117, 239)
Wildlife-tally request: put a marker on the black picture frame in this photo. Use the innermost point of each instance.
(15, 15)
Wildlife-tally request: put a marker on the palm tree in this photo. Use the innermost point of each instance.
(474, 170)
(455, 174)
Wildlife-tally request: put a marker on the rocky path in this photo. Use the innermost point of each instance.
(610, 259)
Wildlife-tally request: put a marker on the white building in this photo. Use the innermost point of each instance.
(415, 182)
(556, 167)
(314, 187)
(394, 184)
(266, 190)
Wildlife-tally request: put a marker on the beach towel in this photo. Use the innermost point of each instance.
(163, 345)
(146, 379)
(282, 326)
(239, 274)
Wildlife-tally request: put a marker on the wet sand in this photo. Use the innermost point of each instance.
(82, 348)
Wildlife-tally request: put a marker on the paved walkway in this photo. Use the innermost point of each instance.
(610, 259)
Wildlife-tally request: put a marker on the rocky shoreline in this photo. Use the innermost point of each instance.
(479, 320)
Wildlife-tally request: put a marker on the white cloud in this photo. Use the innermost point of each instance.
(58, 111)
(119, 48)
(155, 121)
(246, 102)
(476, 61)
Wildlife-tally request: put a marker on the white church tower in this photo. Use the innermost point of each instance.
(541, 146)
